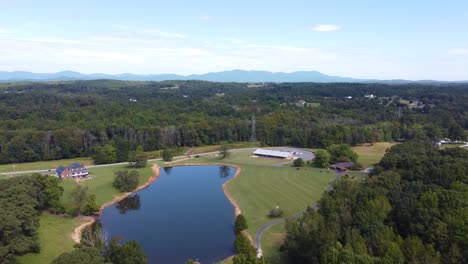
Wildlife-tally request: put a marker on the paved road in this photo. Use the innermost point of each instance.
(114, 164)
(258, 234)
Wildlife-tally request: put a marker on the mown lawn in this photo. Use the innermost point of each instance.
(371, 153)
(101, 184)
(54, 236)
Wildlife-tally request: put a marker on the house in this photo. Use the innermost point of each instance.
(342, 166)
(277, 154)
(301, 103)
(75, 170)
(369, 96)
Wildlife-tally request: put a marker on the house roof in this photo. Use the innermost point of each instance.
(75, 165)
(342, 165)
(274, 153)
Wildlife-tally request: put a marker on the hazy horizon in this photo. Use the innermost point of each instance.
(361, 39)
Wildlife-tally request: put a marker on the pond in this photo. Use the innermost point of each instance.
(183, 215)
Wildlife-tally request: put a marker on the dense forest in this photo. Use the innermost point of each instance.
(44, 121)
(413, 209)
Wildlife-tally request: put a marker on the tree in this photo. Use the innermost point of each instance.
(126, 181)
(91, 207)
(341, 153)
(167, 155)
(84, 255)
(138, 158)
(78, 199)
(105, 155)
(322, 158)
(224, 150)
(299, 162)
(130, 252)
(53, 192)
(240, 224)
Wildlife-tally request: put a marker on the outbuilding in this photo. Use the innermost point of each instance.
(277, 154)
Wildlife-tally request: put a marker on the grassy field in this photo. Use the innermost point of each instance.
(54, 235)
(371, 153)
(42, 165)
(101, 184)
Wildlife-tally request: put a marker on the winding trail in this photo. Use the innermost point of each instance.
(258, 234)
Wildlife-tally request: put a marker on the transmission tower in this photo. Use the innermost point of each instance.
(253, 131)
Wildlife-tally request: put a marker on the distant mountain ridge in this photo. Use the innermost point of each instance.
(223, 76)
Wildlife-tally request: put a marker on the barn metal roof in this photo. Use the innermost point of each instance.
(273, 153)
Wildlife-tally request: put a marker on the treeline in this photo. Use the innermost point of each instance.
(45, 121)
(413, 209)
(20, 200)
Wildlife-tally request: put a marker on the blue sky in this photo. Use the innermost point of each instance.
(363, 39)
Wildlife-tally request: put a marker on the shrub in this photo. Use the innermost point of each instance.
(276, 212)
(126, 181)
(298, 162)
(167, 155)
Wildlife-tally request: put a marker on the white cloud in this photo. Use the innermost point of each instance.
(3, 30)
(206, 18)
(458, 51)
(234, 40)
(325, 27)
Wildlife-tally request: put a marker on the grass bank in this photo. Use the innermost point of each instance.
(54, 235)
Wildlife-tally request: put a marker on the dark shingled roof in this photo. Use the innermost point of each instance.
(60, 169)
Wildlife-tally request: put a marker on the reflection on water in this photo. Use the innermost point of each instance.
(224, 171)
(129, 204)
(168, 169)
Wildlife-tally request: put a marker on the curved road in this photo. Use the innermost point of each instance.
(258, 234)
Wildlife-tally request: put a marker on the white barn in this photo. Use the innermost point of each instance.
(273, 154)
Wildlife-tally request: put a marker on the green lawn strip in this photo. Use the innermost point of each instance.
(54, 236)
(42, 165)
(101, 184)
(272, 239)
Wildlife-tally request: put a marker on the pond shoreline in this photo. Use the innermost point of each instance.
(90, 220)
(77, 232)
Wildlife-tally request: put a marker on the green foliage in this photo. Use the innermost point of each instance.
(167, 155)
(104, 155)
(240, 224)
(138, 158)
(341, 153)
(20, 198)
(84, 255)
(224, 150)
(78, 199)
(416, 192)
(299, 162)
(76, 117)
(130, 252)
(275, 212)
(126, 181)
(322, 158)
(91, 207)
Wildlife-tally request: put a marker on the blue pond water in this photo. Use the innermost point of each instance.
(183, 215)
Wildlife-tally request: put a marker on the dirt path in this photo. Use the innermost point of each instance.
(76, 234)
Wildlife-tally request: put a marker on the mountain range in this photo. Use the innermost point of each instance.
(222, 76)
